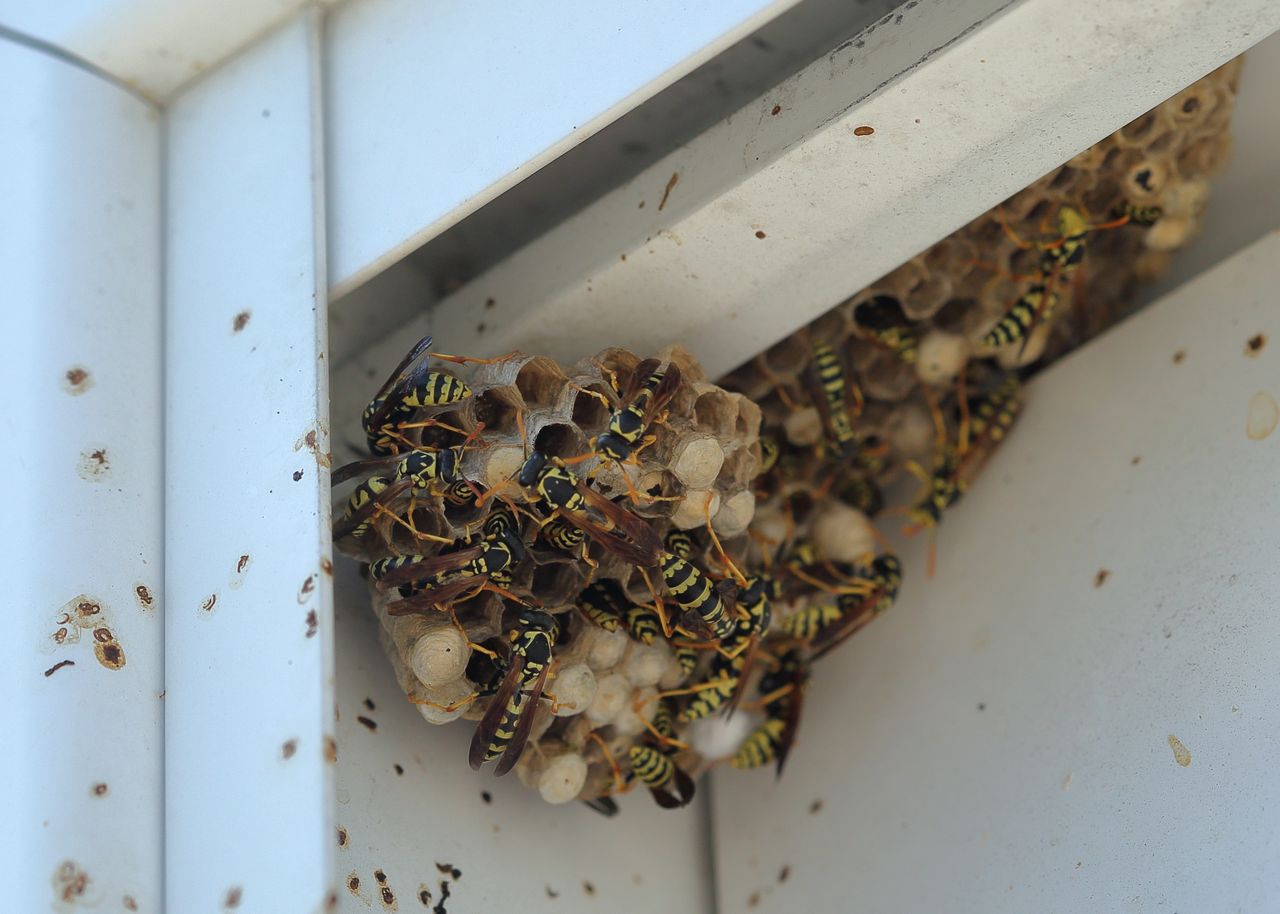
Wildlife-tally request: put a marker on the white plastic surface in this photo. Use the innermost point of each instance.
(80, 382)
(416, 822)
(1078, 713)
(249, 630)
(435, 108)
(981, 117)
(155, 46)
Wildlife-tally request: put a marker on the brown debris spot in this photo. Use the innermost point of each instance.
(241, 321)
(313, 623)
(78, 380)
(103, 635)
(449, 869)
(209, 602)
(145, 600)
(307, 589)
(666, 192)
(486, 796)
(399, 769)
(353, 884)
(753, 900)
(777, 109)
(761, 235)
(369, 705)
(311, 441)
(371, 724)
(588, 888)
(297, 475)
(1101, 577)
(424, 895)
(342, 836)
(1255, 344)
(864, 130)
(1179, 356)
(330, 750)
(233, 898)
(489, 302)
(380, 876)
(1181, 754)
(59, 665)
(129, 903)
(552, 893)
(94, 464)
(69, 882)
(327, 567)
(785, 873)
(389, 898)
(815, 807)
(1264, 415)
(289, 748)
(1137, 459)
(242, 563)
(110, 655)
(99, 789)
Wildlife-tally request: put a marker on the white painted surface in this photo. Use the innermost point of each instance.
(516, 852)
(1000, 740)
(253, 673)
(435, 108)
(155, 46)
(982, 118)
(80, 256)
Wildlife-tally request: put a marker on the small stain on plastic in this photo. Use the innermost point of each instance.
(330, 750)
(240, 322)
(99, 789)
(308, 587)
(342, 837)
(313, 624)
(552, 893)
(666, 191)
(1255, 344)
(760, 234)
(145, 600)
(210, 602)
(94, 464)
(815, 807)
(1179, 356)
(371, 724)
(777, 109)
(297, 475)
(1264, 413)
(785, 873)
(864, 130)
(78, 380)
(57, 666)
(232, 900)
(289, 748)
(588, 888)
(1101, 577)
(1181, 754)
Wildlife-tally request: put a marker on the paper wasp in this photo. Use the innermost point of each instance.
(648, 390)
(504, 729)
(432, 472)
(881, 318)
(856, 610)
(658, 771)
(782, 695)
(694, 593)
(830, 389)
(604, 603)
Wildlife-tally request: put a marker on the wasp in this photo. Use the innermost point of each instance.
(604, 603)
(648, 390)
(442, 578)
(718, 692)
(658, 771)
(680, 543)
(1036, 304)
(805, 624)
(695, 593)
(432, 472)
(643, 623)
(504, 729)
(856, 610)
(559, 534)
(1137, 214)
(783, 691)
(619, 531)
(882, 319)
(410, 387)
(829, 389)
(770, 450)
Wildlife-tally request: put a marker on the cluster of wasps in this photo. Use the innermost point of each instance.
(745, 628)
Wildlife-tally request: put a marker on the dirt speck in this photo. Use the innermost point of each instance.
(69, 882)
(1181, 754)
(777, 109)
(864, 130)
(760, 234)
(353, 884)
(784, 874)
(399, 769)
(57, 666)
(99, 789)
(327, 567)
(1066, 782)
(1263, 416)
(288, 749)
(982, 706)
(232, 901)
(424, 895)
(552, 893)
(589, 889)
(1101, 577)
(1254, 344)
(449, 870)
(143, 593)
(241, 321)
(78, 380)
(307, 589)
(110, 654)
(1179, 357)
(342, 836)
(330, 750)
(209, 603)
(369, 705)
(94, 464)
(489, 302)
(371, 724)
(486, 796)
(753, 900)
(129, 903)
(1137, 459)
(313, 623)
(311, 441)
(389, 899)
(666, 191)
(297, 475)
(815, 807)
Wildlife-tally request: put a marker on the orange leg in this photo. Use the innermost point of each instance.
(618, 782)
(658, 606)
(724, 556)
(463, 359)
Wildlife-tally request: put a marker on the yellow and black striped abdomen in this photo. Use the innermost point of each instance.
(806, 623)
(652, 767)
(761, 747)
(436, 389)
(1037, 303)
(506, 729)
(694, 592)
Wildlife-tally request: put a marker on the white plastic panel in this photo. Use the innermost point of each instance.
(767, 220)
(409, 808)
(155, 46)
(435, 108)
(81, 427)
(249, 719)
(1078, 713)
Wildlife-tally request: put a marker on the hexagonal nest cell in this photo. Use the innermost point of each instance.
(594, 562)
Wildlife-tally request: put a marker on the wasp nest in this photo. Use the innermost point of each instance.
(622, 539)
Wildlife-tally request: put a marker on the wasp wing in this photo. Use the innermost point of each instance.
(638, 545)
(396, 380)
(665, 390)
(488, 725)
(438, 564)
(356, 467)
(516, 748)
(347, 525)
(791, 720)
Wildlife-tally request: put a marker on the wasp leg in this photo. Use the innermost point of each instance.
(724, 556)
(658, 605)
(449, 708)
(408, 525)
(618, 782)
(466, 359)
